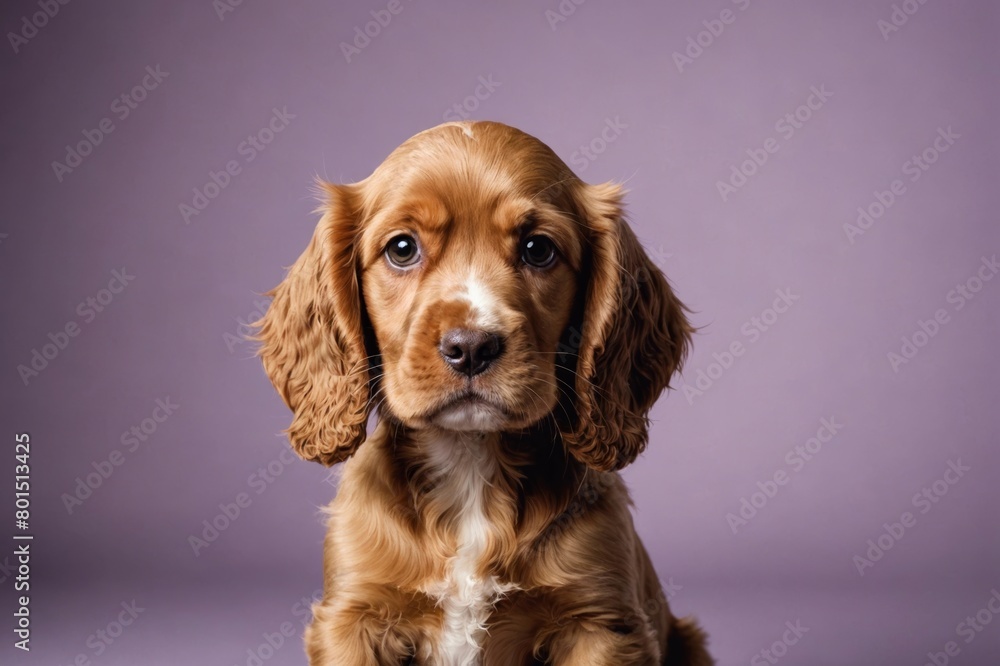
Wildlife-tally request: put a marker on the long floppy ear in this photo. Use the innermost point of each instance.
(312, 342)
(633, 336)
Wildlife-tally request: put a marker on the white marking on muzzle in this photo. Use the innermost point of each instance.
(483, 312)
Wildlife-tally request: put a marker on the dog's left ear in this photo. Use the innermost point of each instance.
(633, 336)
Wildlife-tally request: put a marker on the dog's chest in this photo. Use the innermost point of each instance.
(465, 597)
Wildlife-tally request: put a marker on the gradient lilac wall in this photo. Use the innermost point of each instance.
(602, 83)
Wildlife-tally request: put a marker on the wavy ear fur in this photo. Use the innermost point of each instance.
(633, 336)
(312, 341)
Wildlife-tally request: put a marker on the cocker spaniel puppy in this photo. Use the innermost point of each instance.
(503, 320)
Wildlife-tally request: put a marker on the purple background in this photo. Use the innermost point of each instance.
(173, 331)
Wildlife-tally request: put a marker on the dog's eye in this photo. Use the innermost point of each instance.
(402, 251)
(538, 251)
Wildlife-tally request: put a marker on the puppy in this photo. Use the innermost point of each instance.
(503, 321)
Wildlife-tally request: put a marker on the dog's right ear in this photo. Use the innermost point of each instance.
(312, 343)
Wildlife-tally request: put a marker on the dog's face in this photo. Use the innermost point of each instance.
(472, 282)
(469, 268)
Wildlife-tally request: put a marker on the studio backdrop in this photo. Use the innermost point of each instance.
(814, 177)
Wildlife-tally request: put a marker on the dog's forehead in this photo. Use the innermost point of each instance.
(475, 160)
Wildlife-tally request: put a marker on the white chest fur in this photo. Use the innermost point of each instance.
(463, 468)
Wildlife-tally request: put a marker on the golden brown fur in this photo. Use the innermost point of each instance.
(484, 521)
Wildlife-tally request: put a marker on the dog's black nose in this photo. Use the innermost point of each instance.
(470, 352)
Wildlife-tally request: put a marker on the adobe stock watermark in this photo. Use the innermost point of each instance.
(562, 12)
(923, 501)
(87, 311)
(795, 460)
(223, 7)
(773, 653)
(652, 606)
(229, 512)
(968, 630)
(104, 637)
(364, 34)
(272, 641)
(32, 23)
(659, 255)
(244, 326)
(913, 169)
(786, 127)
(7, 570)
(333, 476)
(714, 27)
(484, 89)
(588, 153)
(898, 17)
(248, 149)
(752, 330)
(572, 339)
(121, 108)
(131, 440)
(958, 298)
(590, 491)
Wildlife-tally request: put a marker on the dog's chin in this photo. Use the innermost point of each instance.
(468, 410)
(470, 415)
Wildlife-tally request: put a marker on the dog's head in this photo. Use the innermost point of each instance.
(472, 282)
